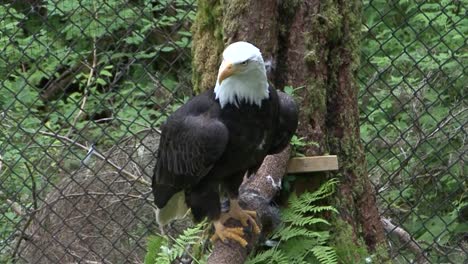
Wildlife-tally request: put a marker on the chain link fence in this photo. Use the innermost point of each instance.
(84, 84)
(413, 123)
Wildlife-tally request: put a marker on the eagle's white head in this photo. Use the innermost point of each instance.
(242, 76)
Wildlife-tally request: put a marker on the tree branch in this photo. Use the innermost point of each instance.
(405, 239)
(255, 194)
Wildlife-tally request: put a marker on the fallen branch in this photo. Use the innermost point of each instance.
(255, 194)
(405, 239)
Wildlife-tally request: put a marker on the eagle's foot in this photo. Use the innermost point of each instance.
(233, 233)
(244, 216)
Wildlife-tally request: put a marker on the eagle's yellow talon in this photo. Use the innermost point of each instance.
(244, 216)
(233, 233)
(249, 216)
(251, 213)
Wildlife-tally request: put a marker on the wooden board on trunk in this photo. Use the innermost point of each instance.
(311, 164)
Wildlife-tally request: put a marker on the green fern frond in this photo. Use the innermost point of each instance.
(325, 190)
(191, 235)
(167, 254)
(269, 256)
(326, 255)
(301, 240)
(320, 209)
(299, 249)
(308, 221)
(154, 245)
(298, 219)
(160, 251)
(312, 209)
(288, 232)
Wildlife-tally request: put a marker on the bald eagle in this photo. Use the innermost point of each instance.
(217, 137)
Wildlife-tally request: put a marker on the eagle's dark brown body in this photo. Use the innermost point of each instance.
(204, 146)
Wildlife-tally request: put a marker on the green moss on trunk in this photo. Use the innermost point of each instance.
(348, 252)
(234, 11)
(356, 199)
(207, 44)
(219, 23)
(314, 44)
(331, 52)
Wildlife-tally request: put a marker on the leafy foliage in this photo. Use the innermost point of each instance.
(413, 117)
(92, 72)
(190, 242)
(299, 144)
(303, 236)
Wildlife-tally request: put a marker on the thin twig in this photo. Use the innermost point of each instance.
(23, 235)
(146, 126)
(83, 194)
(445, 122)
(33, 186)
(83, 260)
(103, 194)
(31, 214)
(101, 208)
(86, 89)
(97, 154)
(420, 141)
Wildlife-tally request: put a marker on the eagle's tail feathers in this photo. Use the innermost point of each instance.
(175, 208)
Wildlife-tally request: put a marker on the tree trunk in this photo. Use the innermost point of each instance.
(315, 45)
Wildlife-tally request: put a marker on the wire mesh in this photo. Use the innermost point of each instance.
(84, 82)
(413, 124)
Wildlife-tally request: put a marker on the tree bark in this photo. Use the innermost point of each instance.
(314, 45)
(218, 25)
(255, 193)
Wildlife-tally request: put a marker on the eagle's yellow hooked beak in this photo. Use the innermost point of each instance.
(227, 69)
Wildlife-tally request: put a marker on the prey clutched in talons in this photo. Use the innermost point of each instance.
(247, 216)
(234, 233)
(244, 216)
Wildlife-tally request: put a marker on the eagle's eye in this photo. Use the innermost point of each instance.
(245, 62)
